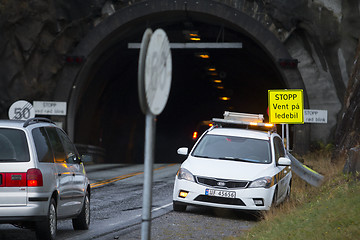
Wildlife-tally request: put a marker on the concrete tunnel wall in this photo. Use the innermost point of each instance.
(108, 32)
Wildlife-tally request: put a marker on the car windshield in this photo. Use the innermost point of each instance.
(13, 146)
(233, 148)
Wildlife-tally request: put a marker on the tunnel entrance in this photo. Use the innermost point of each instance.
(104, 109)
(205, 83)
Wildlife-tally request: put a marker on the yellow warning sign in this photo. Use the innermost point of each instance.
(286, 106)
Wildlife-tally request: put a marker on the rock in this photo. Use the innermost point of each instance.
(352, 164)
(348, 131)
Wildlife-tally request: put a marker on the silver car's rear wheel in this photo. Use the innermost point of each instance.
(82, 221)
(47, 229)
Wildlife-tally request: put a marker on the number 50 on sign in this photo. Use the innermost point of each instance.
(21, 110)
(286, 106)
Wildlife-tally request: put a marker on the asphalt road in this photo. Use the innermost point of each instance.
(116, 209)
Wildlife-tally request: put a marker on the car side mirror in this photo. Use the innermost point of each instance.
(283, 161)
(183, 151)
(75, 160)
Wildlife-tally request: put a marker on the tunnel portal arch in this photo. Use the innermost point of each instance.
(107, 34)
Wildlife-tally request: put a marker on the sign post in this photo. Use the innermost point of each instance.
(154, 81)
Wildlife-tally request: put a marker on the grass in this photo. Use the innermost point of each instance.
(331, 211)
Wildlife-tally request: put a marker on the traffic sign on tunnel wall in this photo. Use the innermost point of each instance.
(286, 106)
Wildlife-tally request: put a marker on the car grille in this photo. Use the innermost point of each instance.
(221, 183)
(219, 200)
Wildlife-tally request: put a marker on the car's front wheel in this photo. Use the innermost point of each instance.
(82, 221)
(178, 207)
(46, 230)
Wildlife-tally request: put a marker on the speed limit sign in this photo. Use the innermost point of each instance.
(21, 110)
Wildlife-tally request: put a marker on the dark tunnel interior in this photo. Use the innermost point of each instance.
(109, 114)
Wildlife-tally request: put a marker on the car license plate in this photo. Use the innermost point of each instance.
(220, 193)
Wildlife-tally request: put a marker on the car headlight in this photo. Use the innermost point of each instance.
(185, 174)
(264, 182)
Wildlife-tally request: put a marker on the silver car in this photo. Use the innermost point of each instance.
(42, 178)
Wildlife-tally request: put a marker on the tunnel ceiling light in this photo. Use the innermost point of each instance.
(193, 35)
(205, 56)
(197, 45)
(220, 87)
(224, 98)
(211, 69)
(217, 81)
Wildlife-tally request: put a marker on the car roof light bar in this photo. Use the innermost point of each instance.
(245, 117)
(244, 124)
(244, 120)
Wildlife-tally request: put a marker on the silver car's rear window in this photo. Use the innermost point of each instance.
(13, 146)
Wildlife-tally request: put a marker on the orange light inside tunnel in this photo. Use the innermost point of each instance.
(224, 98)
(210, 124)
(195, 135)
(217, 81)
(195, 39)
(205, 56)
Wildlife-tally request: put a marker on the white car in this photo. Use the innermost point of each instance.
(234, 168)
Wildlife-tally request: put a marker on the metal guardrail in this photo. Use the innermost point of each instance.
(96, 154)
(305, 173)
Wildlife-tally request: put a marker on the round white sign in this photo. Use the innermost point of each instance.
(21, 110)
(158, 70)
(141, 70)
